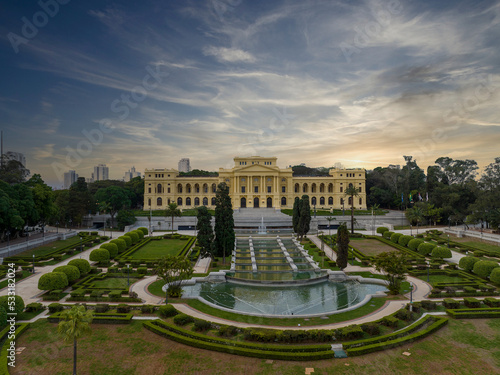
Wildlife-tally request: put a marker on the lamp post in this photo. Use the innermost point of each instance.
(411, 296)
(448, 241)
(81, 244)
(128, 275)
(411, 230)
(33, 263)
(166, 294)
(428, 266)
(343, 211)
(314, 210)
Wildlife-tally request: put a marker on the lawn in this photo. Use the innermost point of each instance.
(461, 348)
(442, 279)
(158, 249)
(50, 247)
(114, 283)
(371, 247)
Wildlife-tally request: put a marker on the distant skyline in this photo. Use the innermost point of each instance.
(147, 83)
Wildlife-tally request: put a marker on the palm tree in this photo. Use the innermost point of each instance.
(352, 192)
(330, 219)
(374, 208)
(415, 215)
(73, 324)
(173, 211)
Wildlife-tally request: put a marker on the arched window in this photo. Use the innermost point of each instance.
(305, 188)
(330, 201)
(196, 201)
(158, 188)
(349, 201)
(179, 201)
(283, 201)
(188, 188)
(149, 202)
(205, 188)
(179, 188)
(322, 201)
(196, 188)
(313, 188)
(330, 188)
(188, 201)
(322, 188)
(360, 201)
(213, 201)
(313, 201)
(297, 188)
(342, 201)
(205, 201)
(214, 189)
(159, 202)
(243, 202)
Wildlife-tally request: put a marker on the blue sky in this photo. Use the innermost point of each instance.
(357, 82)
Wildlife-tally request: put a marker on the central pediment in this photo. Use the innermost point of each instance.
(255, 168)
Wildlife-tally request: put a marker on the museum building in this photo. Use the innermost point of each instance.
(254, 182)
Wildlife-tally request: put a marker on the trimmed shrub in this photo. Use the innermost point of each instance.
(403, 240)
(201, 325)
(78, 293)
(72, 272)
(472, 302)
(120, 243)
(227, 331)
(415, 243)
(183, 319)
(102, 308)
(382, 230)
(127, 240)
(53, 280)
(467, 263)
(112, 249)
(99, 255)
(395, 237)
(425, 248)
(55, 307)
(483, 268)
(147, 309)
(6, 303)
(139, 233)
(83, 265)
(123, 308)
(371, 328)
(390, 321)
(144, 230)
(441, 252)
(115, 294)
(495, 275)
(352, 332)
(133, 236)
(404, 314)
(142, 270)
(387, 234)
(34, 306)
(451, 303)
(167, 311)
(428, 305)
(492, 302)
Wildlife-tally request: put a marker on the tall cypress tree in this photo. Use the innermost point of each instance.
(205, 233)
(305, 216)
(342, 246)
(296, 215)
(224, 222)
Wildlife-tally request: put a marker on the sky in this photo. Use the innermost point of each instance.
(146, 83)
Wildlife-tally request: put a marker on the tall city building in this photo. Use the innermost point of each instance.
(70, 178)
(101, 172)
(130, 174)
(184, 165)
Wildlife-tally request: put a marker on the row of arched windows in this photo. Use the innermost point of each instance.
(196, 201)
(314, 188)
(196, 188)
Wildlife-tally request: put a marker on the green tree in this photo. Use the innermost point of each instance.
(43, 198)
(305, 216)
(74, 324)
(352, 192)
(205, 233)
(136, 187)
(224, 222)
(124, 218)
(296, 214)
(12, 171)
(342, 246)
(79, 198)
(172, 270)
(113, 199)
(393, 264)
(415, 215)
(172, 211)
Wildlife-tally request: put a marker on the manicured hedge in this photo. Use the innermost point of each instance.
(492, 302)
(120, 242)
(425, 248)
(395, 237)
(387, 234)
(127, 239)
(487, 312)
(112, 249)
(382, 230)
(99, 318)
(467, 263)
(441, 252)
(472, 302)
(99, 255)
(495, 275)
(415, 243)
(83, 265)
(144, 230)
(404, 240)
(72, 272)
(18, 307)
(133, 236)
(53, 281)
(166, 311)
(483, 268)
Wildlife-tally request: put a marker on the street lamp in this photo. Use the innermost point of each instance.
(411, 231)
(81, 244)
(428, 266)
(33, 263)
(448, 241)
(411, 296)
(128, 275)
(166, 294)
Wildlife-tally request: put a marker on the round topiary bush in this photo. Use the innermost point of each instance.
(72, 272)
(120, 243)
(381, 230)
(127, 239)
(53, 281)
(467, 263)
(425, 248)
(17, 307)
(495, 276)
(167, 311)
(112, 249)
(441, 252)
(415, 243)
(403, 240)
(483, 268)
(387, 234)
(133, 236)
(83, 265)
(99, 255)
(143, 230)
(139, 233)
(183, 319)
(395, 237)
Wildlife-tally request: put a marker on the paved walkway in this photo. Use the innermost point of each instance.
(141, 288)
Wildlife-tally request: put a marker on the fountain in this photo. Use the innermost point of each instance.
(262, 227)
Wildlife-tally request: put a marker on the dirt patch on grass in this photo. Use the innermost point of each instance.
(371, 247)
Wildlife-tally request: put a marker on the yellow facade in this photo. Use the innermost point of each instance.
(254, 182)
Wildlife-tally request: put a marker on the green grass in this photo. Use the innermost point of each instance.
(442, 279)
(336, 213)
(4, 283)
(155, 288)
(28, 315)
(483, 246)
(50, 247)
(158, 249)
(366, 309)
(114, 283)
